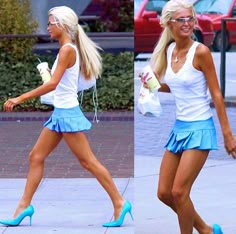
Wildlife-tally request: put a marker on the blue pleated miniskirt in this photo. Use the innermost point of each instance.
(68, 120)
(199, 135)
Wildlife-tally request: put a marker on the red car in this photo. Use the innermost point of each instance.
(147, 28)
(216, 10)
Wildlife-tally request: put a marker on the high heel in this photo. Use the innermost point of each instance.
(216, 229)
(125, 209)
(29, 211)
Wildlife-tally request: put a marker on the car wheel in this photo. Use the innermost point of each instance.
(217, 42)
(197, 36)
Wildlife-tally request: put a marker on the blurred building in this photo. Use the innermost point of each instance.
(40, 10)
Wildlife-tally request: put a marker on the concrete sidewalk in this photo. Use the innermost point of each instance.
(213, 195)
(73, 206)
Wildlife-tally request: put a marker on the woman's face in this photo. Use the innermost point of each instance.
(53, 28)
(182, 23)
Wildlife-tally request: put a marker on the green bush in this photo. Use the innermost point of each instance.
(16, 18)
(115, 87)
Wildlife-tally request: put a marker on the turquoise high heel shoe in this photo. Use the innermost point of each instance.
(29, 211)
(126, 209)
(216, 229)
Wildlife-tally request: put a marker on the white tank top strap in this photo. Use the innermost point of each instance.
(70, 44)
(73, 46)
(169, 52)
(192, 51)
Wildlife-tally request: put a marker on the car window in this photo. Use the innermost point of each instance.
(137, 4)
(155, 5)
(212, 6)
(234, 11)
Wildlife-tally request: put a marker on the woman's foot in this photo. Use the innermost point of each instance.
(118, 209)
(126, 208)
(29, 211)
(216, 229)
(19, 209)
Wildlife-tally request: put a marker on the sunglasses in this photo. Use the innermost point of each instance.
(183, 20)
(51, 23)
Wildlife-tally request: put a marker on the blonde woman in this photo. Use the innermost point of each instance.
(186, 69)
(67, 121)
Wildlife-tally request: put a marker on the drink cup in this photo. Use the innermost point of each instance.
(44, 72)
(148, 76)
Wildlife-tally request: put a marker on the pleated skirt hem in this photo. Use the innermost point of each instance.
(68, 120)
(199, 135)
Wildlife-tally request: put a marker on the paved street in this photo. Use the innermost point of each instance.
(111, 140)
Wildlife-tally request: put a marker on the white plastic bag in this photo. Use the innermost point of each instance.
(47, 98)
(84, 84)
(149, 103)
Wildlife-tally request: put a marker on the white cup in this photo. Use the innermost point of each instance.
(44, 72)
(148, 76)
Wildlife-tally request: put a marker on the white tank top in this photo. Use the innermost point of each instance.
(65, 95)
(189, 88)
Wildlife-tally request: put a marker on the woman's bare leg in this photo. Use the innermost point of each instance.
(79, 145)
(45, 144)
(189, 167)
(168, 170)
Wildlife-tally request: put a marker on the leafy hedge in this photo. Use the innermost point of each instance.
(16, 18)
(115, 88)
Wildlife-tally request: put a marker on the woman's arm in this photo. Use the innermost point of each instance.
(204, 63)
(164, 88)
(65, 60)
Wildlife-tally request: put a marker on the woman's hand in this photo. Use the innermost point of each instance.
(10, 103)
(230, 146)
(145, 85)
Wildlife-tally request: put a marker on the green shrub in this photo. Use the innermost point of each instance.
(115, 88)
(16, 18)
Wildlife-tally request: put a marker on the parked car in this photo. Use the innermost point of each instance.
(147, 29)
(217, 10)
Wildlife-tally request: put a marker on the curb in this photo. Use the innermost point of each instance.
(43, 116)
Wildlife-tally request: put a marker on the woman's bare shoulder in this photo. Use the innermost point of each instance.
(202, 50)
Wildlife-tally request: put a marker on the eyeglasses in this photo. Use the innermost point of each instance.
(51, 23)
(183, 20)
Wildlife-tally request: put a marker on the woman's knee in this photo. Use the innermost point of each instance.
(165, 196)
(88, 163)
(179, 195)
(35, 158)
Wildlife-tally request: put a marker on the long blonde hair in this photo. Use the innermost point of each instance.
(158, 58)
(90, 58)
